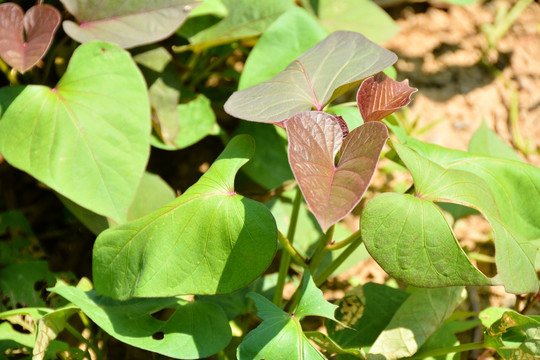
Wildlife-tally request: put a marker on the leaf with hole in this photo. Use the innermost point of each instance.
(209, 240)
(332, 168)
(89, 137)
(38, 24)
(193, 330)
(321, 74)
(380, 96)
(125, 23)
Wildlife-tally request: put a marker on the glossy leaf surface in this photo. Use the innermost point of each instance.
(209, 240)
(288, 37)
(280, 335)
(503, 190)
(37, 26)
(319, 75)
(380, 96)
(419, 316)
(74, 137)
(194, 330)
(332, 187)
(125, 23)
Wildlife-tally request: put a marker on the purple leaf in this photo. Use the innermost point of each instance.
(126, 23)
(321, 74)
(332, 188)
(380, 96)
(40, 23)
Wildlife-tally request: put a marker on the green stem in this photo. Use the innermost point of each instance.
(448, 350)
(291, 251)
(286, 257)
(81, 338)
(329, 270)
(321, 249)
(295, 299)
(341, 244)
(195, 81)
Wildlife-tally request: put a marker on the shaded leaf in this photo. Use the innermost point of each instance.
(498, 188)
(125, 23)
(74, 137)
(209, 240)
(512, 335)
(194, 330)
(48, 328)
(280, 335)
(410, 238)
(418, 317)
(332, 187)
(288, 37)
(37, 26)
(380, 96)
(327, 344)
(486, 142)
(246, 18)
(366, 311)
(351, 115)
(315, 78)
(363, 16)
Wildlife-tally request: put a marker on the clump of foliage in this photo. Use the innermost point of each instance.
(189, 276)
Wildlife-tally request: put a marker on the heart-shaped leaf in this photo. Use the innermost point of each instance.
(315, 78)
(40, 23)
(332, 187)
(209, 240)
(89, 137)
(125, 23)
(194, 330)
(380, 96)
(280, 335)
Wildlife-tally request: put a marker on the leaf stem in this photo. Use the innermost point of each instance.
(341, 244)
(329, 270)
(291, 251)
(286, 256)
(81, 338)
(448, 350)
(321, 249)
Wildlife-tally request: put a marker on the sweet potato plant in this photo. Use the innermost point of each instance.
(202, 274)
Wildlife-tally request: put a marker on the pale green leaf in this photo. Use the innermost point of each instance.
(88, 138)
(486, 142)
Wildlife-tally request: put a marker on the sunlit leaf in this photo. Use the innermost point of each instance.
(194, 330)
(319, 75)
(87, 138)
(419, 316)
(363, 16)
(486, 142)
(125, 23)
(380, 96)
(332, 187)
(287, 38)
(25, 38)
(209, 240)
(280, 335)
(48, 328)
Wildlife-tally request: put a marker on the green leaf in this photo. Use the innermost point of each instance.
(445, 337)
(197, 120)
(327, 344)
(210, 7)
(366, 311)
(410, 238)
(513, 335)
(48, 328)
(88, 138)
(321, 74)
(127, 24)
(21, 284)
(486, 142)
(194, 330)
(503, 191)
(210, 240)
(271, 149)
(351, 115)
(280, 335)
(363, 16)
(289, 36)
(245, 19)
(418, 317)
(15, 245)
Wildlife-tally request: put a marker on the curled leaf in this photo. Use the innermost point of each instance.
(40, 23)
(380, 96)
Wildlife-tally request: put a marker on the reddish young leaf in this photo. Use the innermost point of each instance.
(380, 96)
(332, 187)
(40, 23)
